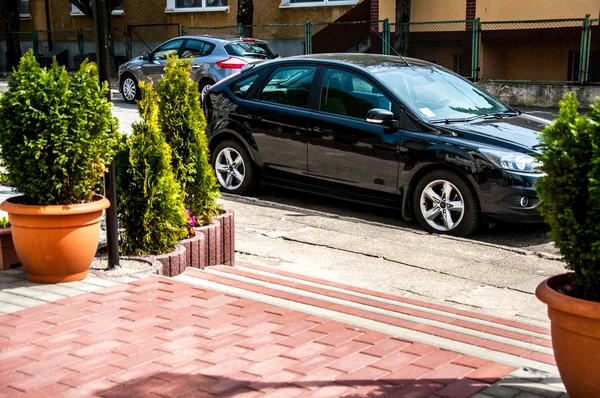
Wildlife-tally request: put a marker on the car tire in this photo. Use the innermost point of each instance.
(203, 84)
(130, 89)
(438, 199)
(228, 158)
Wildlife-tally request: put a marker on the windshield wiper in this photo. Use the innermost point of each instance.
(470, 119)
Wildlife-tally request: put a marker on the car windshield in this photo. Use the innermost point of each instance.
(438, 94)
(251, 50)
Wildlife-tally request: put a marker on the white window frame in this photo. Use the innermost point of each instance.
(76, 12)
(171, 7)
(318, 3)
(28, 15)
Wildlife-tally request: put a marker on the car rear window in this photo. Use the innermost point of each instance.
(251, 50)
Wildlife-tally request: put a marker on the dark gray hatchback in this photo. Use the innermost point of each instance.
(380, 130)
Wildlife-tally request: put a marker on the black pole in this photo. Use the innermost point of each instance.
(103, 60)
(48, 25)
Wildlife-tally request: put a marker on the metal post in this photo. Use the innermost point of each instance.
(103, 59)
(385, 34)
(307, 39)
(182, 30)
(240, 30)
(80, 44)
(36, 45)
(584, 53)
(475, 56)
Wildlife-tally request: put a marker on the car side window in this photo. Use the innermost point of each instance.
(289, 85)
(196, 48)
(241, 87)
(171, 47)
(348, 94)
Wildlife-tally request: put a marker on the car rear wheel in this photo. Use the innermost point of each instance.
(233, 167)
(130, 89)
(445, 203)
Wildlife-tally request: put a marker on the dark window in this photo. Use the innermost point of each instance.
(289, 85)
(573, 68)
(251, 50)
(241, 87)
(196, 48)
(171, 47)
(345, 93)
(23, 7)
(198, 3)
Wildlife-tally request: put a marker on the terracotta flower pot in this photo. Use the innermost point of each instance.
(575, 338)
(55, 243)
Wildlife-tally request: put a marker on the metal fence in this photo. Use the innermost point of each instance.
(531, 51)
(449, 44)
(70, 47)
(564, 51)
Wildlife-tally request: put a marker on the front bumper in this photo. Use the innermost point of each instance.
(510, 196)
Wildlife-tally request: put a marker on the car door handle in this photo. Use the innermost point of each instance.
(322, 131)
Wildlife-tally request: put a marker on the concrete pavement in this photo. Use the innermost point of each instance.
(468, 274)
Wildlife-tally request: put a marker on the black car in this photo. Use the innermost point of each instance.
(381, 130)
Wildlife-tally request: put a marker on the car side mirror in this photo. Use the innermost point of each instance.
(146, 56)
(380, 116)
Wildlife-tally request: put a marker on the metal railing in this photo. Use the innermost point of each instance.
(559, 51)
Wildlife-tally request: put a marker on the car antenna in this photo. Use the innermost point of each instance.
(392, 48)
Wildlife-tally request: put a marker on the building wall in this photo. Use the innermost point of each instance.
(493, 10)
(426, 10)
(153, 12)
(510, 10)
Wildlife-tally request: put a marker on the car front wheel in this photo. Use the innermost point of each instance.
(233, 167)
(444, 203)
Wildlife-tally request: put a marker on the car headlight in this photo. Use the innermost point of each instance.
(514, 161)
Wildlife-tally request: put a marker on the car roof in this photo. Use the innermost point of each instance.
(367, 62)
(220, 38)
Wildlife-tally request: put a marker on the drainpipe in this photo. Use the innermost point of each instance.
(48, 24)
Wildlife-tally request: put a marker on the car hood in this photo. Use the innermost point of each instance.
(516, 132)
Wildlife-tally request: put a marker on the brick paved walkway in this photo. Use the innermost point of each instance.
(163, 337)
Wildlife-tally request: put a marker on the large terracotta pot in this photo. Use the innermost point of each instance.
(55, 243)
(575, 338)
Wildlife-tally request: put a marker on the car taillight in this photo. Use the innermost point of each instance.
(232, 63)
(248, 41)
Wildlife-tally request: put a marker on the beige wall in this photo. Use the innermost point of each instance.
(426, 10)
(508, 10)
(153, 11)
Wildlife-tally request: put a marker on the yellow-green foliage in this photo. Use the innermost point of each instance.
(55, 132)
(182, 123)
(150, 206)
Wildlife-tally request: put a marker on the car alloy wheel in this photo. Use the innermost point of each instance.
(442, 205)
(230, 168)
(129, 89)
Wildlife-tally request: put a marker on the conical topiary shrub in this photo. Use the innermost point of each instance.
(151, 211)
(182, 123)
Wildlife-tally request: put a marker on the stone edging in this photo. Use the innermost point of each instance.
(214, 244)
(8, 255)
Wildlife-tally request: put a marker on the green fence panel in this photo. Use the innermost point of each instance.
(532, 51)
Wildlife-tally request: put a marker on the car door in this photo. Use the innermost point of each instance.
(279, 118)
(199, 51)
(344, 150)
(154, 68)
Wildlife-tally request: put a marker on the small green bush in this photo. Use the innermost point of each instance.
(55, 133)
(571, 192)
(4, 222)
(150, 206)
(182, 123)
